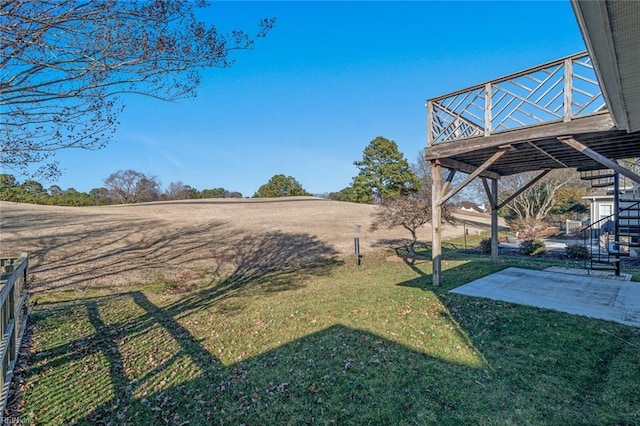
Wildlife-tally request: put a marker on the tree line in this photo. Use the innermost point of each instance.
(130, 186)
(122, 187)
(400, 189)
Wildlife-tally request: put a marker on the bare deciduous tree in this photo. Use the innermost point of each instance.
(409, 214)
(148, 189)
(533, 205)
(130, 186)
(176, 191)
(64, 63)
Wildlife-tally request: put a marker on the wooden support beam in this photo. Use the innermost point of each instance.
(448, 180)
(487, 189)
(436, 222)
(547, 154)
(495, 157)
(570, 141)
(600, 122)
(492, 196)
(524, 188)
(450, 163)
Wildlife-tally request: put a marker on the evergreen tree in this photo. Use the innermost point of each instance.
(280, 186)
(384, 173)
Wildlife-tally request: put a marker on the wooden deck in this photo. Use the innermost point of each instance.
(548, 117)
(538, 147)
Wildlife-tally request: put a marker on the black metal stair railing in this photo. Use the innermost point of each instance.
(613, 237)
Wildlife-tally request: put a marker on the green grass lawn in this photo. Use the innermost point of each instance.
(332, 345)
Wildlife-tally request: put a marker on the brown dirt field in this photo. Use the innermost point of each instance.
(181, 241)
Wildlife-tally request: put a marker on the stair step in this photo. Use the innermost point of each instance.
(599, 176)
(618, 253)
(625, 244)
(603, 268)
(604, 260)
(601, 184)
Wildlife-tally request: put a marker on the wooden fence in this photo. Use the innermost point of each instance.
(13, 318)
(573, 226)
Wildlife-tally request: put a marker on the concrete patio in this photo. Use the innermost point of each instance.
(607, 299)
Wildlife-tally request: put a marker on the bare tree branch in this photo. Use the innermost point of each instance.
(64, 64)
(534, 204)
(409, 214)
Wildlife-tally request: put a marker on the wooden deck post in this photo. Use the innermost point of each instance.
(492, 195)
(487, 109)
(568, 90)
(494, 220)
(436, 221)
(429, 123)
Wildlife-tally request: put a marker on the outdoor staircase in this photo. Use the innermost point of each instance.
(616, 236)
(599, 178)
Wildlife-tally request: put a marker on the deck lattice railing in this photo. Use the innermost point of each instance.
(556, 91)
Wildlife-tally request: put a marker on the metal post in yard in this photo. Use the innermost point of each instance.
(356, 242)
(464, 227)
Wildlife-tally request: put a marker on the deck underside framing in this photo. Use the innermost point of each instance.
(587, 143)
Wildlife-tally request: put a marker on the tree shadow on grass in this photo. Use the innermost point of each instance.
(531, 360)
(99, 250)
(271, 262)
(336, 375)
(108, 250)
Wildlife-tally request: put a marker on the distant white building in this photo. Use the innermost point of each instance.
(468, 206)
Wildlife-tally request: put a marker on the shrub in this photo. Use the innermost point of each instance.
(533, 247)
(526, 228)
(485, 246)
(577, 251)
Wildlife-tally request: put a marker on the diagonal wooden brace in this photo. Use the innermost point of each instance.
(495, 157)
(524, 188)
(570, 141)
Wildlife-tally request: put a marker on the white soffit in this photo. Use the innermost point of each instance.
(611, 30)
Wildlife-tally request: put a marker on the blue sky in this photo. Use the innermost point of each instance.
(328, 79)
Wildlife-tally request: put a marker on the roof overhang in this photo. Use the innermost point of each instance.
(611, 32)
